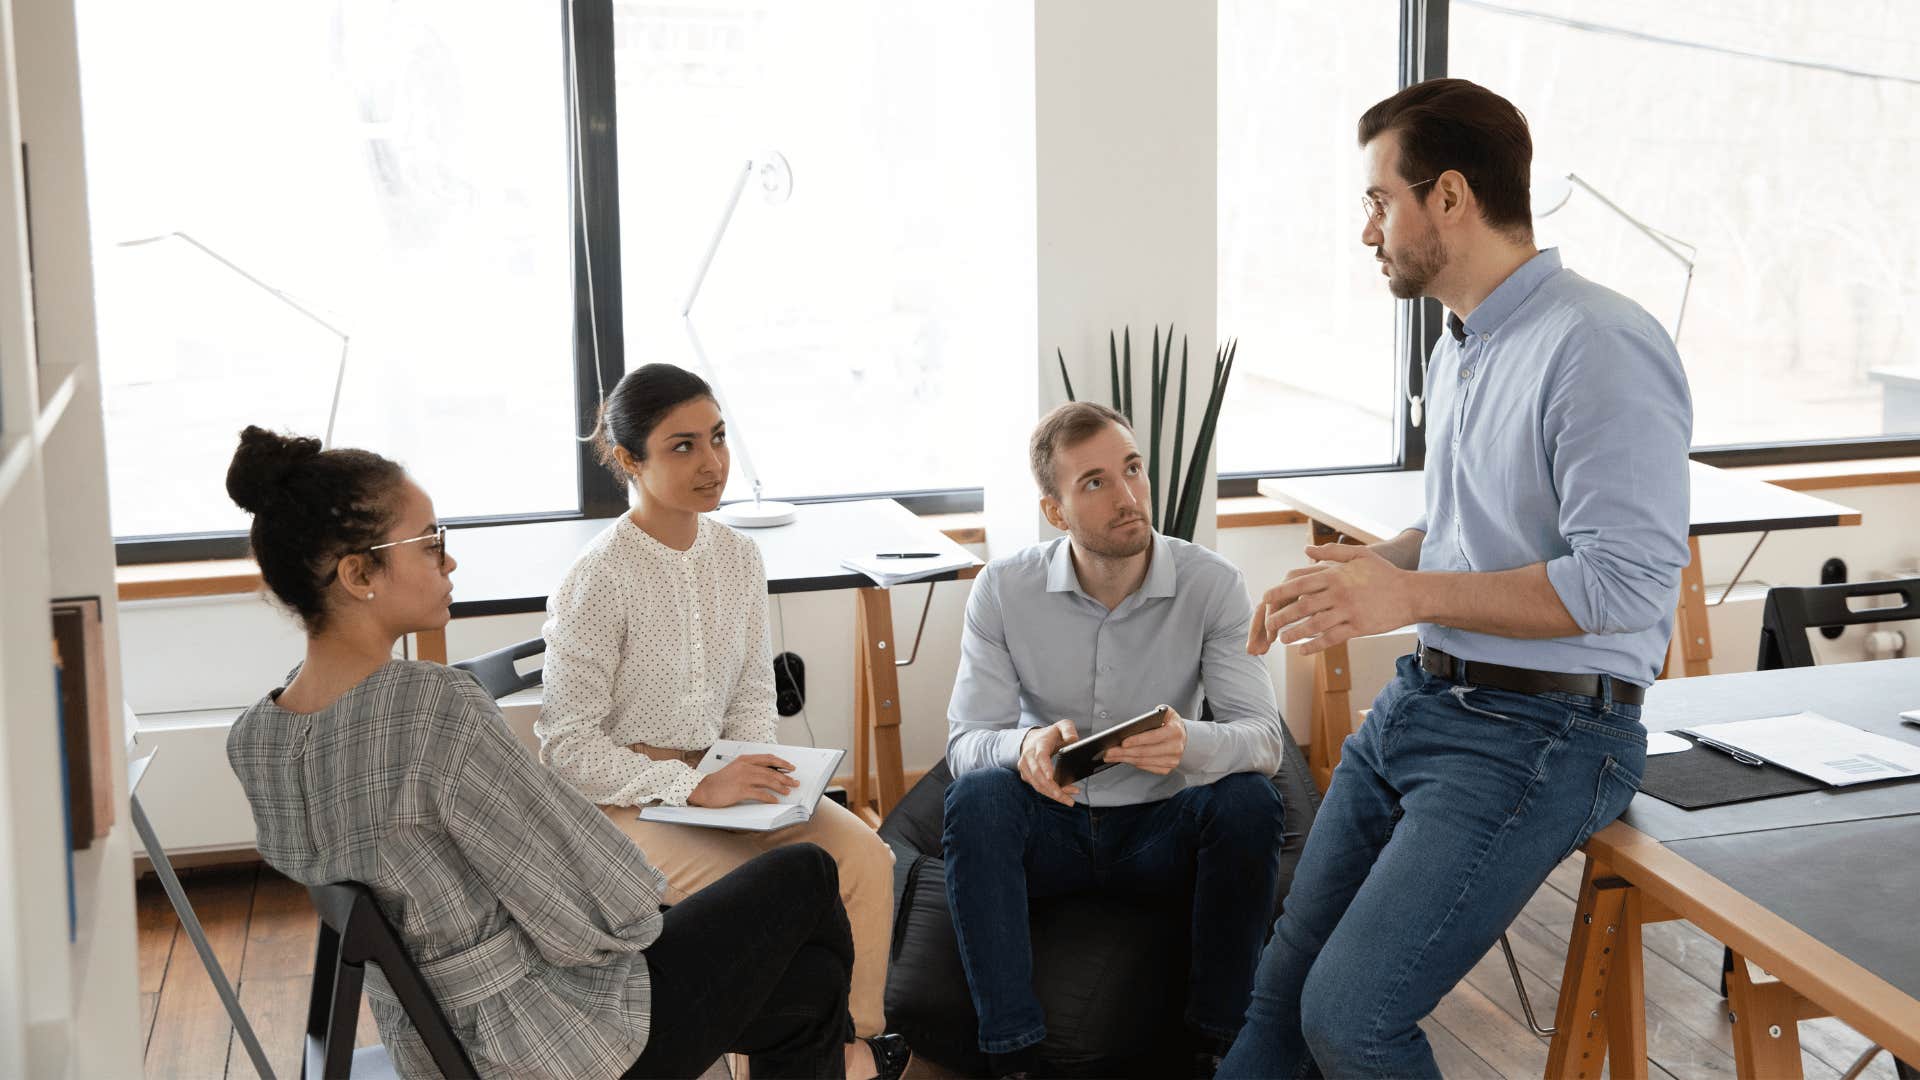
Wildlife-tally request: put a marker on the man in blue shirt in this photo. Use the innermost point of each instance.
(1067, 639)
(1542, 577)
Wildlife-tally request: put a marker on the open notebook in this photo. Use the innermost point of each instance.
(812, 767)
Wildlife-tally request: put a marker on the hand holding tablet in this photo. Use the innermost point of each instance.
(1086, 757)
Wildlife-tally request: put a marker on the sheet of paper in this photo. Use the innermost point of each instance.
(1665, 742)
(1811, 744)
(887, 573)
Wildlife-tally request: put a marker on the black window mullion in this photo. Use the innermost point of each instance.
(594, 173)
(1423, 55)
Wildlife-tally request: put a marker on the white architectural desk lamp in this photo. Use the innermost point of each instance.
(340, 375)
(776, 184)
(1552, 193)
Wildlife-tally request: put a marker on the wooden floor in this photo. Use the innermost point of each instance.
(262, 929)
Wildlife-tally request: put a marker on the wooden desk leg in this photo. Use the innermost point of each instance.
(1766, 1024)
(860, 796)
(1332, 718)
(877, 695)
(1690, 630)
(1592, 1011)
(430, 645)
(1627, 998)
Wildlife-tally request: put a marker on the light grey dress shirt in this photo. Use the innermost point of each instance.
(526, 909)
(1558, 432)
(1037, 649)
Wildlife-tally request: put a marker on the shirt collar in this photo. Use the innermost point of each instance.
(702, 536)
(1507, 297)
(1160, 571)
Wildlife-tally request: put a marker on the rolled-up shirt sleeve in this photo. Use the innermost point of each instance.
(1618, 428)
(1245, 735)
(983, 716)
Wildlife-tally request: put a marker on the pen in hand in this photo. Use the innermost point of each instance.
(908, 555)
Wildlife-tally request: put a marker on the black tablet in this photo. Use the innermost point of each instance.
(1082, 758)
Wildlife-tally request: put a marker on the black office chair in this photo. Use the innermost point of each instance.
(496, 671)
(1792, 611)
(353, 932)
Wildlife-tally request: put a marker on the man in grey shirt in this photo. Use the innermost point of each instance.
(1069, 638)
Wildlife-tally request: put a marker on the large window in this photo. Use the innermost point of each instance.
(398, 170)
(1315, 383)
(856, 328)
(1777, 139)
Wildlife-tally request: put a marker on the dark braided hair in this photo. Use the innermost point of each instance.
(639, 401)
(310, 508)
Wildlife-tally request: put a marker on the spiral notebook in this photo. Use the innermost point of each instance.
(812, 767)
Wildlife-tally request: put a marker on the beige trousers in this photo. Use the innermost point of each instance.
(693, 858)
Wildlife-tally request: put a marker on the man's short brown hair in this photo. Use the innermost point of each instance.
(1066, 426)
(1455, 124)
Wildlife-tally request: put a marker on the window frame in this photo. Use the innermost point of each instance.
(1423, 55)
(593, 176)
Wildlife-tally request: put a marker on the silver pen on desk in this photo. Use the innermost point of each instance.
(1737, 754)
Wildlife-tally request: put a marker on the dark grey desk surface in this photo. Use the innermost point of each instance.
(1376, 506)
(1843, 865)
(510, 569)
(1853, 885)
(1869, 695)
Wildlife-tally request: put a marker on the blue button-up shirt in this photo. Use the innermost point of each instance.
(1037, 649)
(1559, 428)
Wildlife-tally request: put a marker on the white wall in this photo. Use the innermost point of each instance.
(1126, 195)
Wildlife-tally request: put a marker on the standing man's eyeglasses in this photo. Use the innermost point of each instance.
(436, 542)
(1375, 206)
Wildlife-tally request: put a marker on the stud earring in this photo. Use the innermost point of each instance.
(369, 596)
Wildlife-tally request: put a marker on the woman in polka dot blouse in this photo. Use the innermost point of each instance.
(657, 645)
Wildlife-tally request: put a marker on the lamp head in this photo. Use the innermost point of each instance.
(1550, 192)
(775, 177)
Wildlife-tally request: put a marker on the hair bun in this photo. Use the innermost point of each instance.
(257, 478)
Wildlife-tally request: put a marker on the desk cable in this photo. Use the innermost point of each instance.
(780, 617)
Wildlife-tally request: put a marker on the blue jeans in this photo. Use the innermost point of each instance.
(1450, 806)
(1006, 844)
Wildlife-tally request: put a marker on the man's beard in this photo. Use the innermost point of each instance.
(1413, 269)
(1109, 545)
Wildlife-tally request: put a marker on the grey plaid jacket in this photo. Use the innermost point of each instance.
(526, 909)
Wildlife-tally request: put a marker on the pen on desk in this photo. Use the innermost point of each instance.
(1740, 756)
(908, 555)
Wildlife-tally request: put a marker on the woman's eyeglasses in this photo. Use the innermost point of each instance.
(436, 542)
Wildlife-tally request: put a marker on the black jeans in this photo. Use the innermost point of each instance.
(758, 963)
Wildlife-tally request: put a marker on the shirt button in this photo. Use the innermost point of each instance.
(1486, 337)
(1466, 373)
(1103, 714)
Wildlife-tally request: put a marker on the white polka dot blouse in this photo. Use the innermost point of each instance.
(650, 645)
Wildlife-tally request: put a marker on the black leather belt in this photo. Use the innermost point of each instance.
(1525, 680)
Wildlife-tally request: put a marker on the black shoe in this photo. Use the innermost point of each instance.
(890, 1056)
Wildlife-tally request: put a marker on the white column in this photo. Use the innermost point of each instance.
(1125, 130)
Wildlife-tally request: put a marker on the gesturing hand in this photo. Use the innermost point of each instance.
(1036, 759)
(747, 778)
(1348, 592)
(1157, 751)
